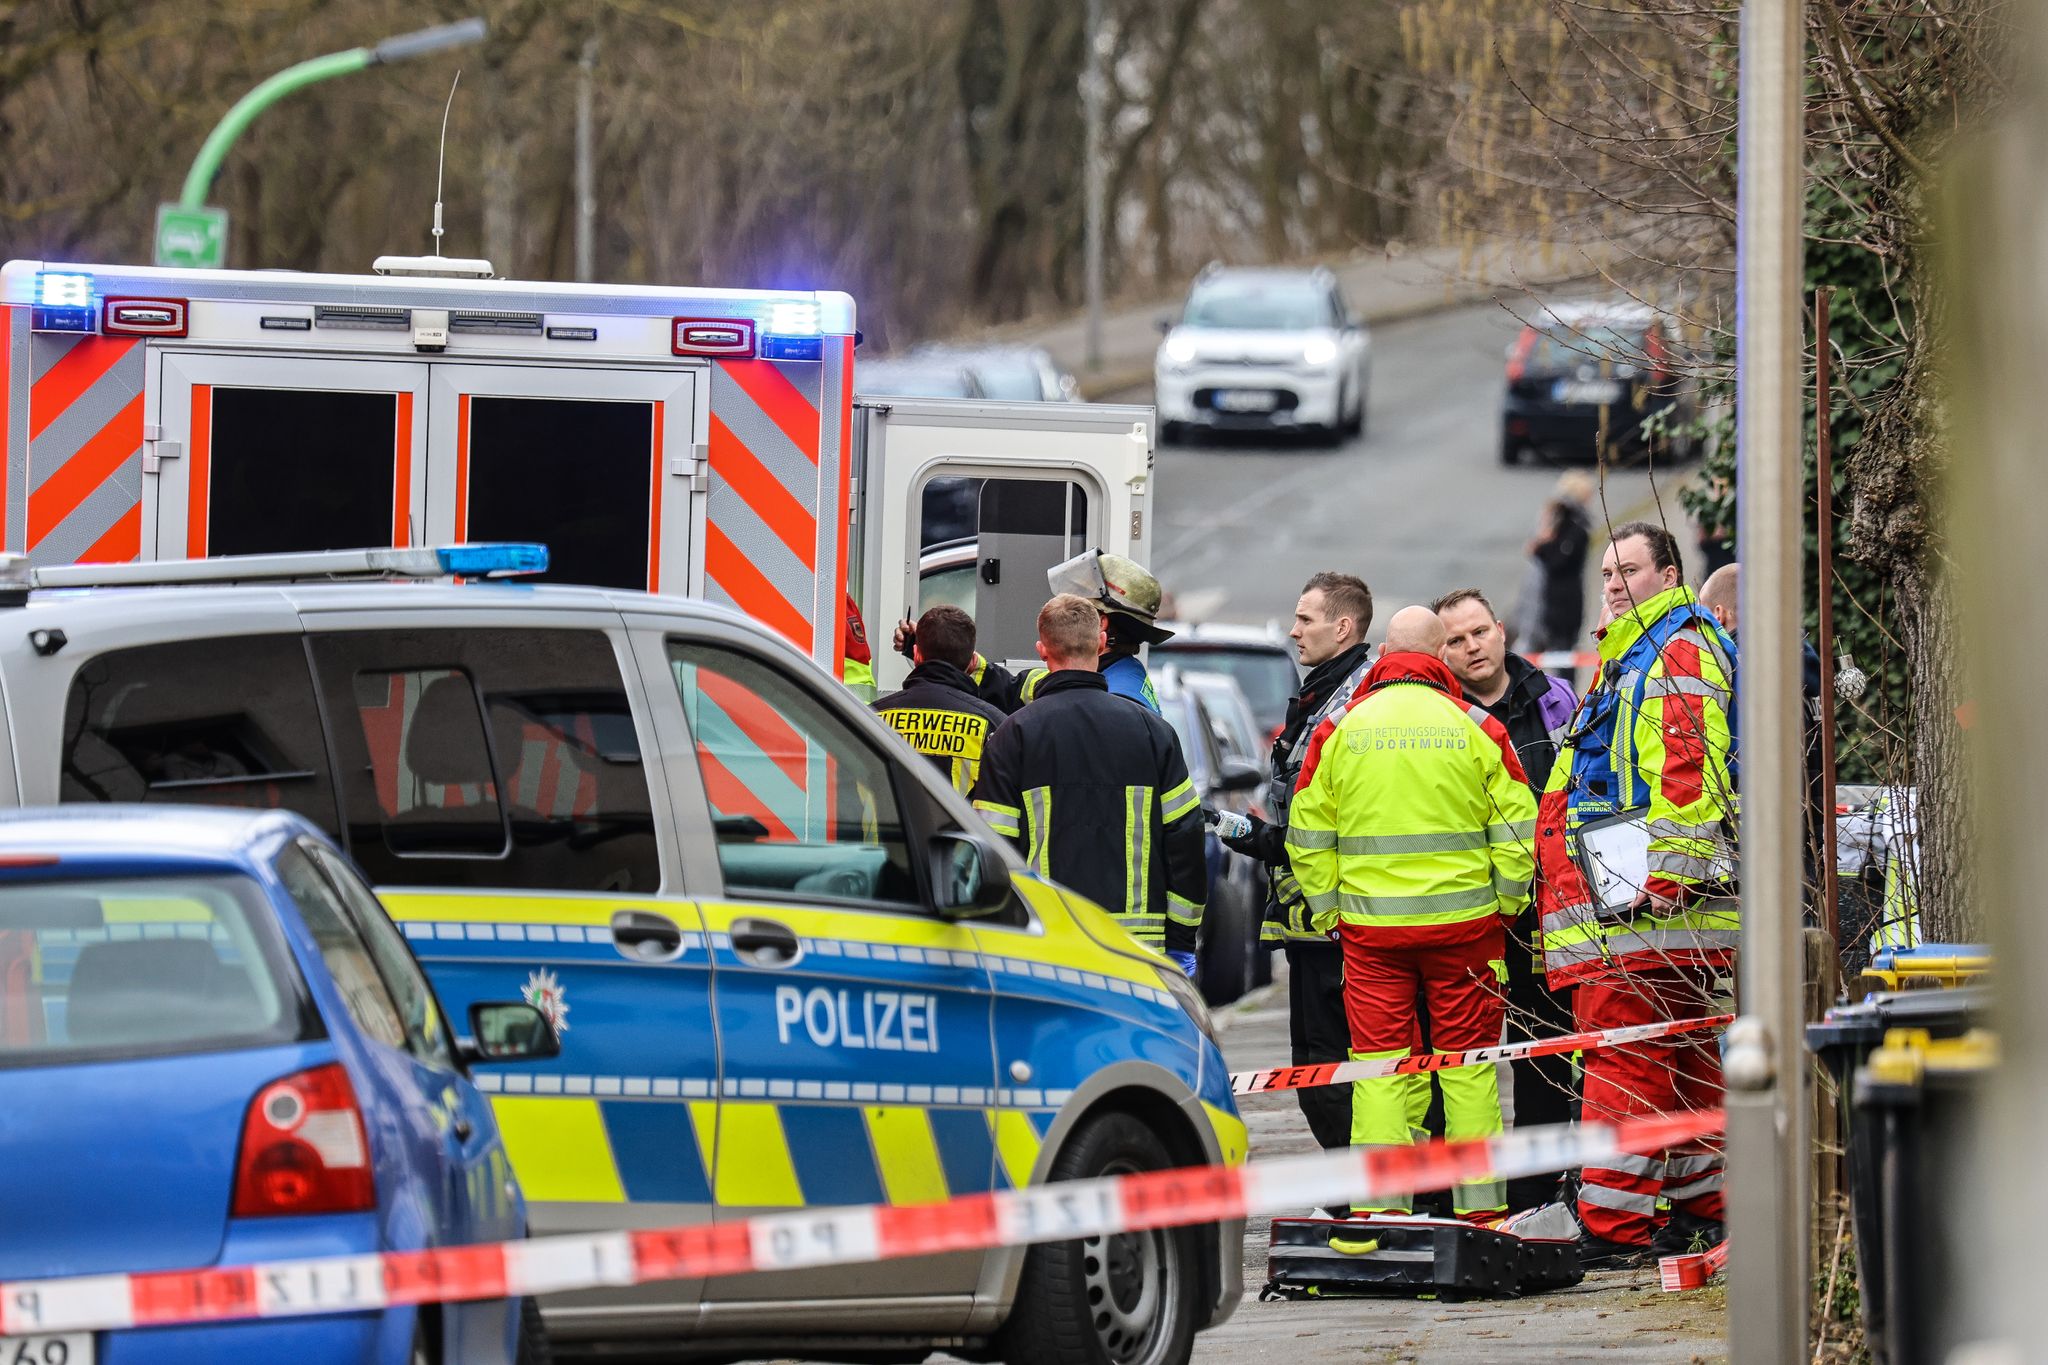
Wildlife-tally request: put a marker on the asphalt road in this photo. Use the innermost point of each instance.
(1621, 1314)
(1419, 505)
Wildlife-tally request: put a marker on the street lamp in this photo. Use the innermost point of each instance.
(189, 232)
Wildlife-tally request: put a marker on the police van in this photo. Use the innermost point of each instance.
(703, 442)
(788, 965)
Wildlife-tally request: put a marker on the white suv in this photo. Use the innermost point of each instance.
(1263, 349)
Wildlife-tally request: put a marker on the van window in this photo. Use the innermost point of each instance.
(803, 807)
(499, 758)
(221, 722)
(333, 493)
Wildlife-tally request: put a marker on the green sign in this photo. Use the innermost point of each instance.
(196, 239)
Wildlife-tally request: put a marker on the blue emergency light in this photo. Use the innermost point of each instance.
(63, 303)
(493, 560)
(792, 348)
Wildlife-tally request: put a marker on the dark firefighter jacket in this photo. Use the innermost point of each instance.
(1095, 793)
(939, 714)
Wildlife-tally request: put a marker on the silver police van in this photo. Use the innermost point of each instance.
(787, 963)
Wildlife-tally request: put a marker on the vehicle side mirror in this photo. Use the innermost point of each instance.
(970, 880)
(509, 1031)
(1234, 774)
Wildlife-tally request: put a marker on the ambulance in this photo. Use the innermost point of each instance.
(697, 442)
(788, 965)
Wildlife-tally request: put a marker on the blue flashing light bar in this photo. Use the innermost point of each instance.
(792, 348)
(63, 303)
(493, 559)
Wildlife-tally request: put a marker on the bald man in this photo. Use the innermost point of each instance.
(1720, 595)
(1410, 837)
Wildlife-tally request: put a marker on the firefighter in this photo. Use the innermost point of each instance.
(1651, 757)
(1330, 621)
(1410, 835)
(1128, 596)
(1096, 794)
(938, 711)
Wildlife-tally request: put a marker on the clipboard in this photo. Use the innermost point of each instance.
(1614, 853)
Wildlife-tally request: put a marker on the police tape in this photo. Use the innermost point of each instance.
(1693, 1269)
(1059, 1212)
(1338, 1073)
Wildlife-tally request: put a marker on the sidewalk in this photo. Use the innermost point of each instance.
(1383, 286)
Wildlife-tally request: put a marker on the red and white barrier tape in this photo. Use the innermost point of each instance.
(1564, 658)
(1337, 1073)
(813, 1237)
(1692, 1270)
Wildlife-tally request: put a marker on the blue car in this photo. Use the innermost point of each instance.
(215, 1048)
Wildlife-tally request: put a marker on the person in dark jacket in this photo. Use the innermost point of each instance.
(1535, 707)
(1330, 621)
(1559, 551)
(938, 711)
(1094, 791)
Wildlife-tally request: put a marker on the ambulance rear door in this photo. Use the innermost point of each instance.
(260, 454)
(596, 462)
(970, 502)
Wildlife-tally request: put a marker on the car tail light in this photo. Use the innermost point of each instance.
(304, 1148)
(1519, 361)
(146, 317)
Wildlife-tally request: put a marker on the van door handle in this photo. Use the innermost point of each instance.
(645, 936)
(765, 943)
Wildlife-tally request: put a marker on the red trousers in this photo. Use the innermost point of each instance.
(1461, 989)
(1618, 1198)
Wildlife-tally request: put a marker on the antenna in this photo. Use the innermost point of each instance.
(442, 164)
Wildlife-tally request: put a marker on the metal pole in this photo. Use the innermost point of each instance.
(244, 111)
(586, 192)
(1824, 571)
(1092, 99)
(1768, 1194)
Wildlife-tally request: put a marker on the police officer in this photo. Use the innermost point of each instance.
(1410, 836)
(938, 710)
(1095, 793)
(1330, 621)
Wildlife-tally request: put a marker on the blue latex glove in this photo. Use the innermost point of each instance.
(1184, 961)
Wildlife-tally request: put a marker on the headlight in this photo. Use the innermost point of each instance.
(1180, 350)
(1191, 1002)
(1318, 351)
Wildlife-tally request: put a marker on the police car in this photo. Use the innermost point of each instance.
(787, 965)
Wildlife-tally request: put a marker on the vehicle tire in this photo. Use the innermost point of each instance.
(1173, 433)
(423, 1350)
(533, 1336)
(1128, 1299)
(1510, 452)
(1262, 965)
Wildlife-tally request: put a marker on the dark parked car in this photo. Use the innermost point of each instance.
(1584, 383)
(1259, 657)
(1232, 958)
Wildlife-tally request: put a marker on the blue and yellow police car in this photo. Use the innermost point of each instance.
(787, 964)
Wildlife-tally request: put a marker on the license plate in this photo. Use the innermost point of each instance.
(1245, 400)
(65, 1348)
(1586, 391)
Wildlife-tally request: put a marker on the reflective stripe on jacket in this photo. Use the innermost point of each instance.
(1097, 797)
(1655, 735)
(1413, 819)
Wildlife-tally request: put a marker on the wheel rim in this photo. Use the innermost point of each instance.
(1132, 1282)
